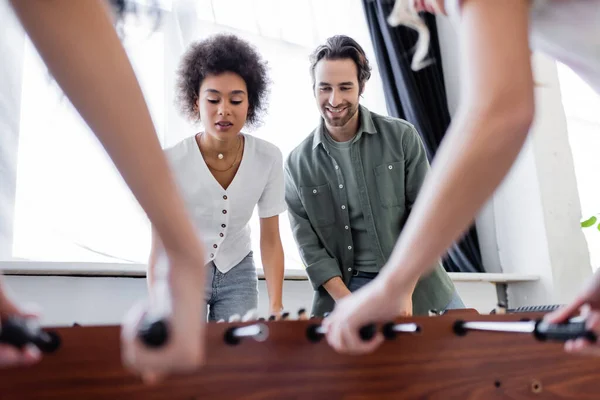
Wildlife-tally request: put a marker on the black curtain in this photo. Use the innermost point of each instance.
(420, 98)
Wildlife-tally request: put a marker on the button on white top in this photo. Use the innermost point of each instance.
(215, 211)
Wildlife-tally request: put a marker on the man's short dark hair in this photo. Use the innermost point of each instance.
(341, 47)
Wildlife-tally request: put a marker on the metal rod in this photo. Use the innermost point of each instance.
(520, 326)
(321, 330)
(259, 332)
(411, 327)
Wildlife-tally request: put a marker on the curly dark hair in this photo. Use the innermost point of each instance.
(340, 47)
(216, 55)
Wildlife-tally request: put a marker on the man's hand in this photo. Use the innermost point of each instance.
(184, 350)
(11, 356)
(588, 303)
(373, 303)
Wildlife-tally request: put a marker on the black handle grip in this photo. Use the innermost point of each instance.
(563, 332)
(312, 334)
(388, 331)
(367, 332)
(19, 332)
(153, 332)
(230, 337)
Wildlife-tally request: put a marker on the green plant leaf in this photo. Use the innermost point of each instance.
(589, 222)
(599, 227)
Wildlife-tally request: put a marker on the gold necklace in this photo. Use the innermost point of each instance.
(237, 153)
(220, 156)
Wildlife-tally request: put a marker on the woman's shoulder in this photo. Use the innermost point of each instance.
(181, 149)
(263, 148)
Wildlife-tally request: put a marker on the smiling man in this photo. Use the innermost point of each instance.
(351, 184)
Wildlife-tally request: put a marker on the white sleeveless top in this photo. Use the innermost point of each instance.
(222, 215)
(566, 30)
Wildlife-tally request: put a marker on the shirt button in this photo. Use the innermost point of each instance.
(349, 247)
(343, 207)
(223, 226)
(349, 269)
(390, 167)
(341, 186)
(337, 167)
(314, 191)
(215, 246)
(346, 227)
(220, 234)
(224, 197)
(224, 211)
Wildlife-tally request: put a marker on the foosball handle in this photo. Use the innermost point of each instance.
(388, 331)
(563, 332)
(367, 332)
(230, 337)
(19, 332)
(153, 332)
(312, 333)
(458, 328)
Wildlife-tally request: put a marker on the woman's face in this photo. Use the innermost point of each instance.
(223, 104)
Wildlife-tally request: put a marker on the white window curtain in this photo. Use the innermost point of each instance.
(582, 105)
(69, 205)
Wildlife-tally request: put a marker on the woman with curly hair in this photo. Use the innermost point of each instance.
(224, 173)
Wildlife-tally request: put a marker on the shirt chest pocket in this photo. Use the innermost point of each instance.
(318, 202)
(389, 178)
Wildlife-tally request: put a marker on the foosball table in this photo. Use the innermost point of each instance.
(457, 355)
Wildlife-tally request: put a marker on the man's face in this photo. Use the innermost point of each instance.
(337, 90)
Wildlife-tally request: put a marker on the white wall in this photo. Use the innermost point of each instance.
(64, 300)
(531, 225)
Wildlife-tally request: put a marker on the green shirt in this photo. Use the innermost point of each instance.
(389, 164)
(364, 258)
